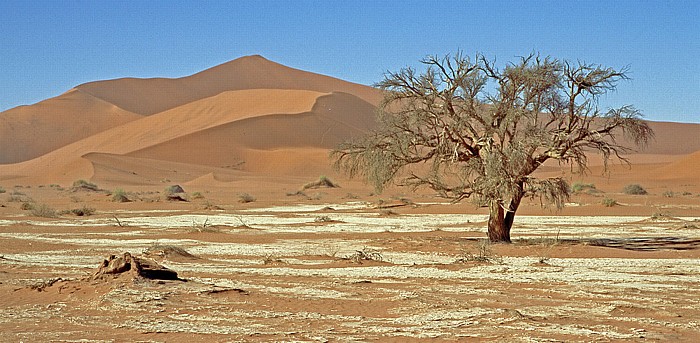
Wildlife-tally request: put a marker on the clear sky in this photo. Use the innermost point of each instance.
(48, 47)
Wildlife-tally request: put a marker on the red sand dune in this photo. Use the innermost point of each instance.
(248, 117)
(149, 96)
(30, 131)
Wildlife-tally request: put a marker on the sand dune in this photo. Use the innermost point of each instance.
(215, 132)
(334, 118)
(149, 96)
(249, 115)
(30, 131)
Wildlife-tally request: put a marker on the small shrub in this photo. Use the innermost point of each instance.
(83, 211)
(323, 219)
(483, 254)
(668, 194)
(44, 210)
(608, 202)
(119, 195)
(365, 254)
(197, 195)
(634, 189)
(246, 198)
(208, 205)
(579, 187)
(2, 190)
(85, 185)
(174, 189)
(26, 206)
(321, 182)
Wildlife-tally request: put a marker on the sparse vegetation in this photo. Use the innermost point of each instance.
(579, 187)
(43, 210)
(119, 195)
(634, 189)
(483, 254)
(323, 219)
(271, 259)
(84, 185)
(83, 211)
(2, 190)
(208, 205)
(668, 194)
(26, 206)
(609, 202)
(366, 254)
(485, 143)
(197, 195)
(246, 198)
(174, 189)
(321, 182)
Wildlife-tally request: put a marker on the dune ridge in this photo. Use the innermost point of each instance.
(242, 119)
(150, 96)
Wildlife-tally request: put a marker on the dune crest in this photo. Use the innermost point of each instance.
(150, 96)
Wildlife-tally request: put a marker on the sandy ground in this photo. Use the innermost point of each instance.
(337, 269)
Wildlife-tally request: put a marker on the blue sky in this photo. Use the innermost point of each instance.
(48, 47)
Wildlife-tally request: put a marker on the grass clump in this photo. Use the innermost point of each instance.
(2, 190)
(634, 189)
(197, 195)
(119, 195)
(246, 198)
(321, 182)
(26, 206)
(579, 187)
(609, 202)
(43, 210)
(483, 254)
(84, 185)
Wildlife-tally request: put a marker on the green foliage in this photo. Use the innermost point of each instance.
(634, 189)
(119, 195)
(579, 187)
(441, 127)
(609, 202)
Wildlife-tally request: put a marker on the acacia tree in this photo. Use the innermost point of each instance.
(467, 129)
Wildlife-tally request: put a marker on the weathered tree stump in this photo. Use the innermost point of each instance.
(134, 266)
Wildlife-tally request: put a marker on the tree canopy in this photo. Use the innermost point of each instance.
(468, 129)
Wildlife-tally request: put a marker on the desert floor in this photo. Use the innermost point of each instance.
(328, 265)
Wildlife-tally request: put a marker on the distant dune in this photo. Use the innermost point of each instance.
(30, 131)
(246, 118)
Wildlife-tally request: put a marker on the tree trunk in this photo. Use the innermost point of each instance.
(501, 221)
(498, 232)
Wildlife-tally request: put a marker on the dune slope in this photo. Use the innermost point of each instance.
(27, 132)
(150, 96)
